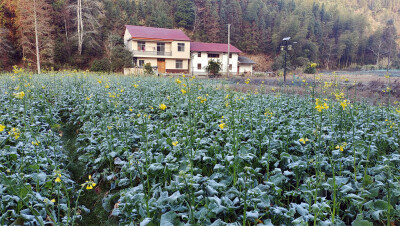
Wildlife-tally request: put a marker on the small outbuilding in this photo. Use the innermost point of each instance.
(245, 65)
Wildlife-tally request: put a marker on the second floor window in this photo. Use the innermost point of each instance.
(160, 48)
(141, 46)
(181, 47)
(211, 55)
(179, 64)
(199, 54)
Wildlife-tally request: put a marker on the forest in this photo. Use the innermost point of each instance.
(80, 34)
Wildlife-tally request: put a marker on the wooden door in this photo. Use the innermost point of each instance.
(161, 65)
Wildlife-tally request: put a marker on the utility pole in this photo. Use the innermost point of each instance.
(229, 46)
(284, 70)
(285, 47)
(36, 37)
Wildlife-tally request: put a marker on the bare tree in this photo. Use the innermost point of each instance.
(36, 37)
(377, 49)
(35, 31)
(87, 14)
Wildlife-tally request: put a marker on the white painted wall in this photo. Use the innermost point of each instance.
(243, 68)
(127, 42)
(203, 60)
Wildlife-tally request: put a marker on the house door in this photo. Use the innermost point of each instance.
(161, 65)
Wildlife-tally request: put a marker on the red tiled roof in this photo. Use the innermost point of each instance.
(212, 47)
(156, 33)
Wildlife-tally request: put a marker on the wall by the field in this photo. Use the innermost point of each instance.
(133, 71)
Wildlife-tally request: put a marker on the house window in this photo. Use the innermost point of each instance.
(230, 55)
(141, 46)
(181, 47)
(160, 48)
(179, 64)
(212, 55)
(230, 67)
(141, 63)
(198, 66)
(199, 54)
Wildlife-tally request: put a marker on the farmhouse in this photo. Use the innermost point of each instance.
(171, 51)
(203, 52)
(168, 49)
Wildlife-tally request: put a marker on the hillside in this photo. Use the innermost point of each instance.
(335, 34)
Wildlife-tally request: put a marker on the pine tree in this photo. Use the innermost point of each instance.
(184, 15)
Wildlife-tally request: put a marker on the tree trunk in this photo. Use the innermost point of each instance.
(36, 37)
(80, 27)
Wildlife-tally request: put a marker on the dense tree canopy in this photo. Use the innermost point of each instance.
(335, 34)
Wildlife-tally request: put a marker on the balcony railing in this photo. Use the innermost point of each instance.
(152, 53)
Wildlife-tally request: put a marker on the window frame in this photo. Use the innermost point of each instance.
(181, 47)
(141, 46)
(177, 62)
(141, 63)
(199, 54)
(213, 55)
(199, 66)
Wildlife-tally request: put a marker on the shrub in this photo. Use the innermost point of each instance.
(311, 68)
(101, 65)
(148, 69)
(214, 67)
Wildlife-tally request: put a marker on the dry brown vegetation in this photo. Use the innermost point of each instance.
(365, 88)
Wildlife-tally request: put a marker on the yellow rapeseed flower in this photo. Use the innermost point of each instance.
(107, 86)
(135, 85)
(178, 81)
(53, 200)
(320, 106)
(175, 143)
(344, 104)
(163, 107)
(341, 146)
(99, 81)
(14, 133)
(183, 91)
(89, 184)
(19, 95)
(302, 140)
(57, 180)
(36, 143)
(2, 127)
(247, 81)
(130, 109)
(222, 125)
